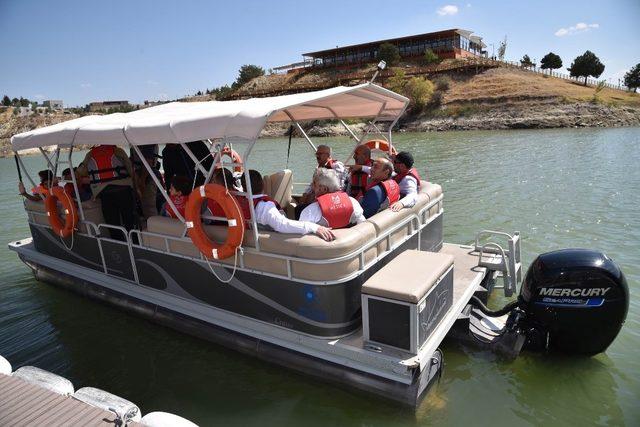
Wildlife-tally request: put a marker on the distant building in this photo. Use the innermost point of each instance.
(54, 104)
(454, 43)
(107, 105)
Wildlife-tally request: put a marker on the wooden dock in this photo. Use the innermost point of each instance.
(26, 404)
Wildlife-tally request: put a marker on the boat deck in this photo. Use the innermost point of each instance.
(26, 404)
(467, 277)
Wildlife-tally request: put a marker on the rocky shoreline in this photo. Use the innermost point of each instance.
(515, 115)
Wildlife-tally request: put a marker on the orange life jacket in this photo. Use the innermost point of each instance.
(336, 209)
(41, 189)
(104, 165)
(391, 189)
(411, 172)
(359, 183)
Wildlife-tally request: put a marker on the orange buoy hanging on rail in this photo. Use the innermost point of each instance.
(382, 145)
(235, 157)
(66, 228)
(232, 211)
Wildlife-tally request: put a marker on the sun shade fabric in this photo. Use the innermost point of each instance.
(180, 122)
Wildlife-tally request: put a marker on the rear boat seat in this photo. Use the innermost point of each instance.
(348, 240)
(92, 212)
(278, 186)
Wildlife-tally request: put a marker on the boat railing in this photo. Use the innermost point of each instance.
(135, 240)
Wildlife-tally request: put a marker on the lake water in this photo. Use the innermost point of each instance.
(559, 188)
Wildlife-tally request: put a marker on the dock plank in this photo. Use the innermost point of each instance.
(26, 404)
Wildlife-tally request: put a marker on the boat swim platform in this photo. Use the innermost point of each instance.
(26, 404)
(388, 371)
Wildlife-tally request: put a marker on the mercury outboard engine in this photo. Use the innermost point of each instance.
(573, 301)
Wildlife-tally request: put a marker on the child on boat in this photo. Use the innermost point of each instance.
(179, 195)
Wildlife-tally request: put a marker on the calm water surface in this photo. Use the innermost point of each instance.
(559, 188)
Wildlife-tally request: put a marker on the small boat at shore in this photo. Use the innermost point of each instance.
(368, 309)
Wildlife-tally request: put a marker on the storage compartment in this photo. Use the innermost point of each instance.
(404, 301)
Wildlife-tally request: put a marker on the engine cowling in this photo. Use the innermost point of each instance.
(575, 301)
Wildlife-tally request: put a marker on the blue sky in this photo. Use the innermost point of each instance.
(83, 51)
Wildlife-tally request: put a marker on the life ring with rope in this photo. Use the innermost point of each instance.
(382, 145)
(66, 228)
(232, 211)
(235, 157)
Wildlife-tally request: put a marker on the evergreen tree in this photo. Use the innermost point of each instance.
(388, 53)
(430, 57)
(551, 61)
(632, 78)
(246, 74)
(6, 101)
(526, 62)
(585, 65)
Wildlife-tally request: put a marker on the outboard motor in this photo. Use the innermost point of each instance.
(573, 301)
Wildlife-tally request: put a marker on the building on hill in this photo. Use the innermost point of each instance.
(107, 105)
(54, 104)
(454, 43)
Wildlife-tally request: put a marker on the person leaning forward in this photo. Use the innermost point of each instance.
(333, 208)
(110, 177)
(268, 213)
(408, 180)
(383, 191)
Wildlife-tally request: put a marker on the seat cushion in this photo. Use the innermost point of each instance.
(409, 277)
(278, 186)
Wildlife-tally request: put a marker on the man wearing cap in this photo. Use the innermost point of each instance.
(408, 179)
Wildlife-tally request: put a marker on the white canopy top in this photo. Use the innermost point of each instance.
(180, 122)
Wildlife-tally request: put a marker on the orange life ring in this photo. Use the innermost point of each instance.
(382, 145)
(66, 228)
(231, 210)
(235, 157)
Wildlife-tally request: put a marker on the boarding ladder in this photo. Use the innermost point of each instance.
(506, 261)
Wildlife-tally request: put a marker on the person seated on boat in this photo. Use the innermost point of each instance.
(83, 186)
(324, 159)
(359, 173)
(47, 180)
(408, 180)
(383, 191)
(333, 207)
(268, 212)
(179, 195)
(111, 179)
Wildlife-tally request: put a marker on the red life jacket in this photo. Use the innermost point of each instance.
(391, 189)
(411, 172)
(359, 183)
(180, 202)
(69, 190)
(41, 189)
(336, 209)
(215, 209)
(104, 165)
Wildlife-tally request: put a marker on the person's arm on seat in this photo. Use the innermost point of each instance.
(358, 213)
(23, 193)
(280, 223)
(410, 199)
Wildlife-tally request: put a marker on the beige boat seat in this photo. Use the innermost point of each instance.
(348, 241)
(38, 214)
(278, 186)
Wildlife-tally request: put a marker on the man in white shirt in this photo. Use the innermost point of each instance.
(268, 212)
(333, 208)
(408, 179)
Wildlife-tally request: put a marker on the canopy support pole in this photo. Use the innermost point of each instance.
(44, 153)
(195, 159)
(26, 172)
(76, 190)
(249, 191)
(304, 134)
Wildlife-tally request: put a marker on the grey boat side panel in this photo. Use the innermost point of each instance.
(326, 371)
(117, 259)
(319, 310)
(84, 251)
(432, 237)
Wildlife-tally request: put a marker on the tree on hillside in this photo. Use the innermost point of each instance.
(247, 73)
(502, 49)
(430, 57)
(419, 91)
(6, 101)
(388, 53)
(551, 61)
(397, 82)
(15, 102)
(24, 102)
(526, 62)
(585, 65)
(632, 78)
